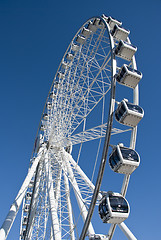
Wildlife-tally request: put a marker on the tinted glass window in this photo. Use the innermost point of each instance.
(122, 109)
(112, 162)
(119, 45)
(120, 112)
(118, 204)
(129, 154)
(101, 213)
(118, 115)
(123, 71)
(114, 29)
(116, 157)
(118, 78)
(134, 108)
(103, 208)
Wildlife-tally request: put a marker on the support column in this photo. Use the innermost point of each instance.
(33, 205)
(52, 201)
(127, 231)
(111, 231)
(18, 200)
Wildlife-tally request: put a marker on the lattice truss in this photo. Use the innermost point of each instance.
(66, 174)
(85, 81)
(36, 207)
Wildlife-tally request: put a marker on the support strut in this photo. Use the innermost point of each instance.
(4, 231)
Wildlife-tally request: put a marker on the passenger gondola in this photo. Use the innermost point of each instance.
(125, 50)
(120, 33)
(68, 148)
(124, 160)
(69, 56)
(25, 219)
(61, 75)
(113, 208)
(42, 128)
(28, 195)
(52, 95)
(56, 84)
(86, 32)
(45, 116)
(27, 207)
(64, 65)
(23, 233)
(75, 47)
(128, 76)
(111, 21)
(91, 27)
(31, 184)
(80, 39)
(97, 22)
(49, 105)
(128, 113)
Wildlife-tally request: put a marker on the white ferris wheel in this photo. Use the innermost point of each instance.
(86, 114)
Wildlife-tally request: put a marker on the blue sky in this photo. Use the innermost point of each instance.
(33, 38)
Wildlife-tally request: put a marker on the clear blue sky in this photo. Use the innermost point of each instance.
(33, 38)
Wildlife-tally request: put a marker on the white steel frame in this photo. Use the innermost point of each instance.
(78, 87)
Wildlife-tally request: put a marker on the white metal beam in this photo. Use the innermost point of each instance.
(33, 204)
(18, 200)
(111, 231)
(91, 134)
(52, 201)
(127, 231)
(77, 192)
(57, 188)
(69, 205)
(82, 174)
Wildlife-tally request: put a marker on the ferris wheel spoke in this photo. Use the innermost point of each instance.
(90, 52)
(78, 117)
(69, 207)
(78, 112)
(83, 176)
(61, 193)
(78, 195)
(82, 94)
(88, 90)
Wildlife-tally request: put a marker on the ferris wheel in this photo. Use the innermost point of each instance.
(92, 109)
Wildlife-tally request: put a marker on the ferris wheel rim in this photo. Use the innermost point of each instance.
(135, 91)
(113, 72)
(60, 153)
(37, 133)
